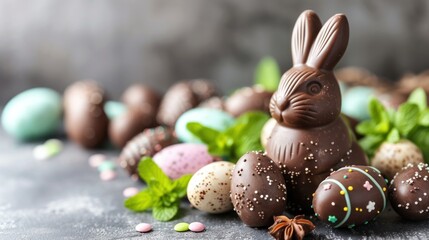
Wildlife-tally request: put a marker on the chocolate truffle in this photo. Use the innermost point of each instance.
(143, 98)
(124, 127)
(146, 144)
(310, 138)
(409, 192)
(350, 196)
(258, 190)
(84, 117)
(248, 99)
(178, 99)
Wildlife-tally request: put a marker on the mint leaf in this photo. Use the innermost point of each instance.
(406, 118)
(151, 173)
(164, 213)
(366, 127)
(379, 116)
(424, 118)
(202, 132)
(267, 74)
(141, 201)
(420, 137)
(181, 184)
(370, 143)
(393, 136)
(418, 97)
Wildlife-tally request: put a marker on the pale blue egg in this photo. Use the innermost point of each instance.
(32, 114)
(208, 117)
(355, 102)
(114, 109)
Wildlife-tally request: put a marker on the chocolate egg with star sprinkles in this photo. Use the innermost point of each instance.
(350, 196)
(409, 192)
(258, 189)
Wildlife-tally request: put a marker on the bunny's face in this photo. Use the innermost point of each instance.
(306, 97)
(308, 94)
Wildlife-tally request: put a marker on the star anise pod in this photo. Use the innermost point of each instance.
(285, 228)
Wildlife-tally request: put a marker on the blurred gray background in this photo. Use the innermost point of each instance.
(53, 43)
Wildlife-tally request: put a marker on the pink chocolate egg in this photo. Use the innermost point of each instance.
(180, 159)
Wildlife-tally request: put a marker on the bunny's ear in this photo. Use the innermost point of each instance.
(304, 33)
(330, 44)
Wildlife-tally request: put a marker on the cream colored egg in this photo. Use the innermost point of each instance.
(266, 131)
(390, 158)
(208, 189)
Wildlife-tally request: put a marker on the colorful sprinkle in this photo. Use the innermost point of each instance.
(350, 170)
(350, 188)
(332, 219)
(345, 177)
(345, 209)
(143, 227)
(130, 191)
(96, 160)
(384, 189)
(370, 206)
(107, 175)
(197, 227)
(367, 185)
(342, 192)
(327, 186)
(181, 227)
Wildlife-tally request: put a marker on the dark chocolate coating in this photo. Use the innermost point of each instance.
(178, 99)
(248, 99)
(409, 192)
(258, 190)
(124, 127)
(143, 98)
(310, 139)
(203, 89)
(145, 144)
(213, 102)
(351, 196)
(84, 118)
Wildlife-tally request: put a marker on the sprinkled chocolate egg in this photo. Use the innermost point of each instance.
(409, 192)
(350, 196)
(258, 189)
(208, 189)
(146, 144)
(84, 117)
(390, 158)
(142, 97)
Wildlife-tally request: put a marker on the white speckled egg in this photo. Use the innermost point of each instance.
(208, 189)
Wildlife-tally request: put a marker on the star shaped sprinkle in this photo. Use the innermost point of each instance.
(327, 186)
(370, 206)
(332, 219)
(285, 228)
(367, 185)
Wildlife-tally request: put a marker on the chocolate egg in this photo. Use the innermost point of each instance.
(142, 97)
(258, 189)
(213, 102)
(145, 144)
(390, 158)
(248, 99)
(350, 196)
(124, 127)
(208, 189)
(203, 89)
(409, 192)
(178, 99)
(84, 118)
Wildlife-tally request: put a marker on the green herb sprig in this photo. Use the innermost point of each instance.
(410, 121)
(162, 195)
(267, 74)
(235, 141)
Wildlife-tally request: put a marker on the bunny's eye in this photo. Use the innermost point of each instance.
(314, 87)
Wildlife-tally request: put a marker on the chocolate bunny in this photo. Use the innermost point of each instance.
(311, 139)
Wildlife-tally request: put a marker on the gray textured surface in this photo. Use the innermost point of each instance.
(63, 198)
(53, 43)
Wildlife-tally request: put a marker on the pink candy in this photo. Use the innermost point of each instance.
(96, 160)
(197, 227)
(107, 175)
(129, 192)
(143, 227)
